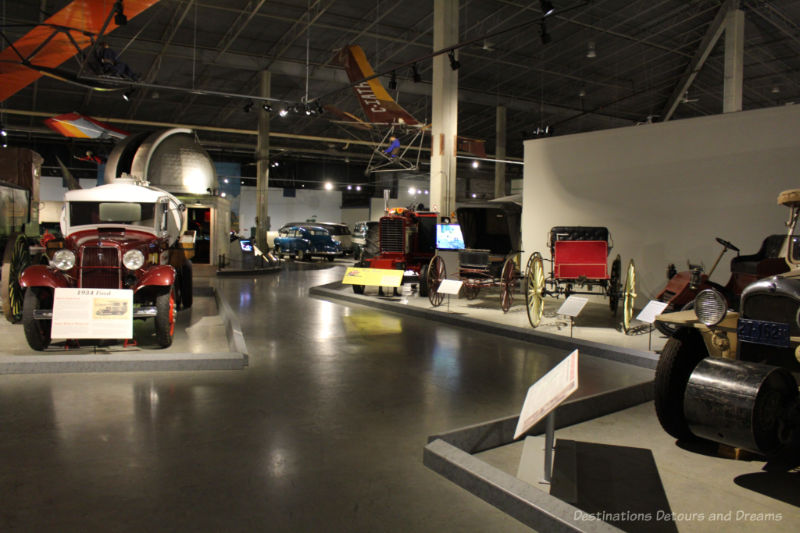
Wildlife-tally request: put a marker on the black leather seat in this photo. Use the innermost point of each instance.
(770, 249)
(578, 233)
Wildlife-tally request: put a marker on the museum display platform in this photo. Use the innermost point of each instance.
(596, 330)
(207, 337)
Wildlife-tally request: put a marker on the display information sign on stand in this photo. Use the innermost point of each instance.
(450, 286)
(651, 311)
(547, 393)
(380, 277)
(92, 314)
(572, 306)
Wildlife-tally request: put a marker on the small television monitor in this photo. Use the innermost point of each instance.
(246, 245)
(449, 237)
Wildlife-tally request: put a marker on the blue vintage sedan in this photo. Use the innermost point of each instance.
(306, 241)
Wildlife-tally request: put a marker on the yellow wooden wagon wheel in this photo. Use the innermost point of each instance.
(16, 258)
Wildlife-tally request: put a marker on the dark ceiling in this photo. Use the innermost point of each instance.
(643, 49)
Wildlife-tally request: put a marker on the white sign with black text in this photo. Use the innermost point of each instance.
(92, 314)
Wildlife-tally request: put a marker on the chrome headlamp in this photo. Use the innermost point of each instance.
(710, 307)
(63, 259)
(133, 259)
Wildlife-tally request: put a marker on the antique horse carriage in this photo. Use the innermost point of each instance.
(579, 261)
(491, 233)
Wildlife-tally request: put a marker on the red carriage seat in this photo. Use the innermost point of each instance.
(579, 252)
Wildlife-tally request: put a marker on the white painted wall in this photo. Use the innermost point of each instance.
(50, 189)
(325, 205)
(351, 215)
(666, 190)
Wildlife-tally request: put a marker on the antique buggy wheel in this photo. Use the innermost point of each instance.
(471, 290)
(37, 332)
(628, 296)
(614, 284)
(534, 291)
(16, 259)
(507, 284)
(436, 274)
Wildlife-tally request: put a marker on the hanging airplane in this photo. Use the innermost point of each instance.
(82, 127)
(396, 134)
(47, 46)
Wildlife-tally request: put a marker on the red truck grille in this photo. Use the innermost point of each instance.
(100, 267)
(392, 235)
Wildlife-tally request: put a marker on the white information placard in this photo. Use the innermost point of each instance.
(450, 286)
(651, 311)
(92, 314)
(547, 393)
(572, 306)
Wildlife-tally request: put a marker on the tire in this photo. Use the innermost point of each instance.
(186, 284)
(276, 251)
(331, 258)
(165, 316)
(680, 356)
(423, 281)
(358, 289)
(37, 332)
(300, 255)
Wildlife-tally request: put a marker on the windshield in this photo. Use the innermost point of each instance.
(93, 213)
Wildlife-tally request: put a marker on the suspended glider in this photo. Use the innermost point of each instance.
(47, 46)
(396, 134)
(82, 127)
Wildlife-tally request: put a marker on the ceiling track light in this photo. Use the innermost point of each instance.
(547, 8)
(454, 64)
(393, 81)
(248, 106)
(320, 109)
(283, 112)
(415, 74)
(591, 51)
(267, 107)
(127, 95)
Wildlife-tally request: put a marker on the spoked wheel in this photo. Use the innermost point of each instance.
(507, 282)
(436, 274)
(16, 258)
(614, 284)
(471, 290)
(534, 291)
(628, 296)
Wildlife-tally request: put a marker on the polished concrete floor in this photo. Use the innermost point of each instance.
(323, 431)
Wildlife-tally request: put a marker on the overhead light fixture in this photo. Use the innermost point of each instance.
(128, 94)
(308, 110)
(547, 7)
(283, 112)
(267, 107)
(320, 109)
(775, 90)
(454, 64)
(591, 52)
(475, 164)
(543, 33)
(474, 195)
(358, 187)
(328, 186)
(248, 106)
(412, 191)
(393, 81)
(3, 131)
(349, 187)
(119, 19)
(415, 74)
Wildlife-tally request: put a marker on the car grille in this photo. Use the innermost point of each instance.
(100, 267)
(773, 308)
(392, 238)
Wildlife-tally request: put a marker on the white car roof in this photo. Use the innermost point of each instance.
(119, 192)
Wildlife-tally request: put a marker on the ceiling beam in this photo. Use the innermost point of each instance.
(696, 64)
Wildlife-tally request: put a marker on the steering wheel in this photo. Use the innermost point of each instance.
(728, 245)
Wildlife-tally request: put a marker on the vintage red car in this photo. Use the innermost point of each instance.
(116, 236)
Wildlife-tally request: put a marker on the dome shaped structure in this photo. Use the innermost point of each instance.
(170, 159)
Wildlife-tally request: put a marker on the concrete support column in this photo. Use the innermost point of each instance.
(444, 126)
(734, 61)
(500, 153)
(262, 165)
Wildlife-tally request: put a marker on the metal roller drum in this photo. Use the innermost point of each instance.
(741, 404)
